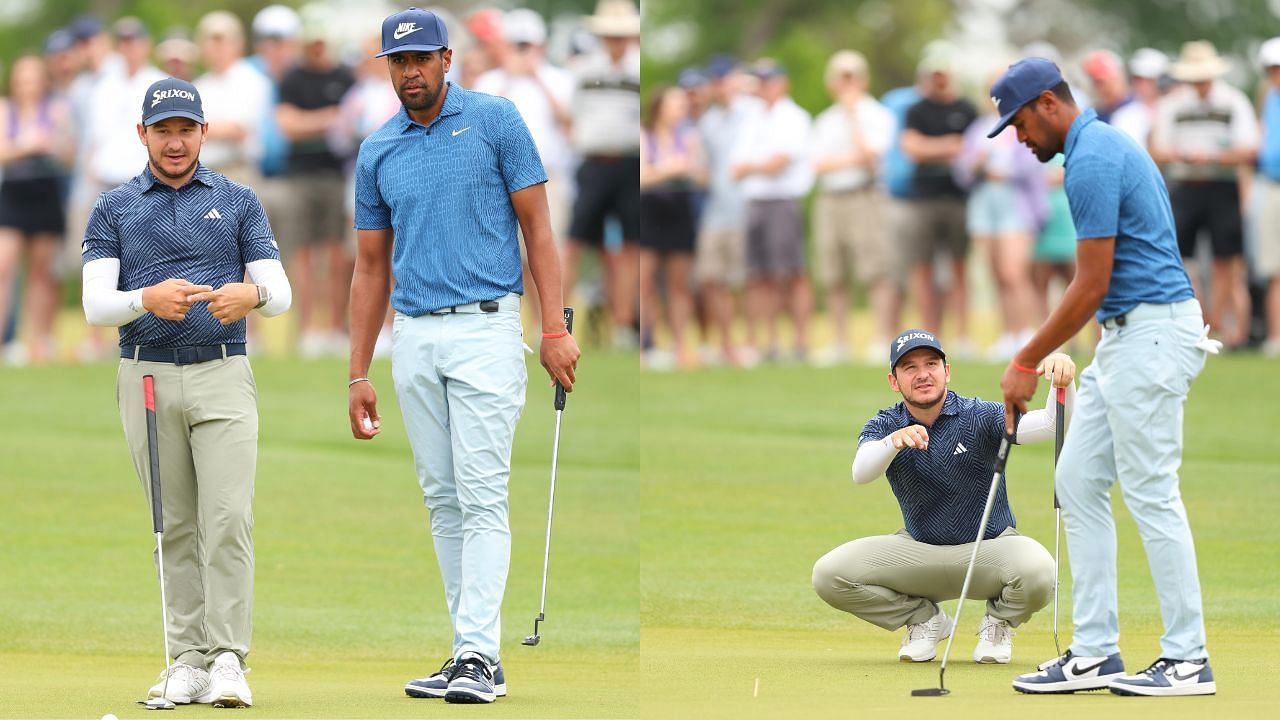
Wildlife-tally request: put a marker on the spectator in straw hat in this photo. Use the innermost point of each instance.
(1205, 132)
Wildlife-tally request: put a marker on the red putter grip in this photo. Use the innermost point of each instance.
(149, 392)
(1062, 394)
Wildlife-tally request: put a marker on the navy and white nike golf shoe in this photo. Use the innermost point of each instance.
(1168, 677)
(1070, 673)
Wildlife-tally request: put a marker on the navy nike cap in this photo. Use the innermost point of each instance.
(413, 30)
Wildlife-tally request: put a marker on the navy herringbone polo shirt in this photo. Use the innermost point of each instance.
(943, 490)
(204, 232)
(445, 190)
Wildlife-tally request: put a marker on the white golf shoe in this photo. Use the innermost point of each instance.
(227, 687)
(995, 641)
(186, 684)
(920, 644)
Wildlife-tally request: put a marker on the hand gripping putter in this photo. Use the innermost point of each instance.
(1002, 457)
(535, 638)
(157, 525)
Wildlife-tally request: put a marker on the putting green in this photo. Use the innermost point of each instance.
(348, 599)
(752, 486)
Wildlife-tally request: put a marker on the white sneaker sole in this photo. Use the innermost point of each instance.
(231, 700)
(1100, 682)
(415, 691)
(1208, 688)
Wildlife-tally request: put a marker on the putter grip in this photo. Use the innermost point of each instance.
(153, 452)
(568, 325)
(1006, 444)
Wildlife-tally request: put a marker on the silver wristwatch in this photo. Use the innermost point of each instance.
(264, 296)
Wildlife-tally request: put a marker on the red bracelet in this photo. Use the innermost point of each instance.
(1019, 368)
(553, 336)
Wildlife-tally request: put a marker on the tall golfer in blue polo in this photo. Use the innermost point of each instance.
(164, 256)
(1128, 414)
(441, 189)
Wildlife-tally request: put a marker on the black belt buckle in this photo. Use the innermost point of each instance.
(489, 306)
(1116, 321)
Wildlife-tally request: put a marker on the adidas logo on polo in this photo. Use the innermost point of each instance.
(213, 215)
(960, 448)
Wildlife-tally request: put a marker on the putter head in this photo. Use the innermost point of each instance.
(532, 640)
(157, 703)
(930, 692)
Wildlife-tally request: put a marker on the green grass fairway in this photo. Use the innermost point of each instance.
(348, 599)
(752, 485)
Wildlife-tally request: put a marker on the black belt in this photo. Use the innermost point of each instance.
(487, 306)
(188, 355)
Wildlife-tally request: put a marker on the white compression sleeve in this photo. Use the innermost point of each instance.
(271, 274)
(104, 304)
(1039, 425)
(872, 459)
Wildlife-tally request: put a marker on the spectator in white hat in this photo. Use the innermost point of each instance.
(1205, 134)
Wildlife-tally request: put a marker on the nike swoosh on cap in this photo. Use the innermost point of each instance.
(398, 35)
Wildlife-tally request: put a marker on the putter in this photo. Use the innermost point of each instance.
(1059, 432)
(157, 525)
(1002, 457)
(535, 638)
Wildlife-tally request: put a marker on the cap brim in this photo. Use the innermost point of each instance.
(172, 114)
(1004, 122)
(409, 48)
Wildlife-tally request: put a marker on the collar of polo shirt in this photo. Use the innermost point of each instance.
(202, 175)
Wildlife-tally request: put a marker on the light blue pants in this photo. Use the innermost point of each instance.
(1127, 426)
(461, 380)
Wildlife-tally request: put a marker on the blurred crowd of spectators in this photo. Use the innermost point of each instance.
(289, 97)
(749, 202)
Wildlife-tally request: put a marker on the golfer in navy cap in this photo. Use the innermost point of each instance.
(164, 259)
(937, 448)
(1128, 427)
(450, 179)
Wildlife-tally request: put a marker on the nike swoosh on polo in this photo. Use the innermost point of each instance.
(456, 133)
(1080, 671)
(398, 34)
(1192, 674)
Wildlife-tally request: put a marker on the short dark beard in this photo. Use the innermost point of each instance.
(941, 399)
(429, 97)
(157, 169)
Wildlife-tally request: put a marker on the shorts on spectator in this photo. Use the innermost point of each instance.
(775, 238)
(851, 239)
(932, 226)
(606, 186)
(993, 209)
(1267, 259)
(1211, 205)
(721, 256)
(310, 210)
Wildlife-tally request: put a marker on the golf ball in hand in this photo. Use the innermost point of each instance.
(368, 424)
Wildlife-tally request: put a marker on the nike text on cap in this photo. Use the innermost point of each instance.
(1020, 84)
(910, 340)
(413, 30)
(169, 98)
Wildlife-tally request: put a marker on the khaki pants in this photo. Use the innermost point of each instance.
(207, 430)
(892, 580)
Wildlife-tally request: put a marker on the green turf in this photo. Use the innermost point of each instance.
(752, 486)
(348, 598)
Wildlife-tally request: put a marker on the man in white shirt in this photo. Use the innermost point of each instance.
(1117, 104)
(1205, 133)
(849, 138)
(236, 99)
(115, 155)
(543, 93)
(720, 264)
(771, 163)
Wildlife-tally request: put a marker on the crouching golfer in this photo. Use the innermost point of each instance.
(938, 450)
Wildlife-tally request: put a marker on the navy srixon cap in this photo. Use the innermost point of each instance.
(413, 30)
(169, 98)
(910, 340)
(1020, 84)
